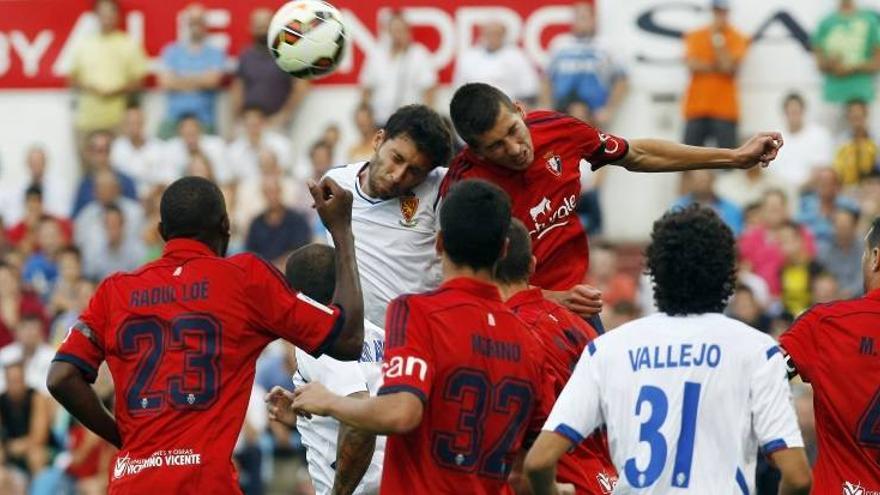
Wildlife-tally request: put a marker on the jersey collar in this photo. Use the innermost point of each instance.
(528, 296)
(176, 248)
(483, 290)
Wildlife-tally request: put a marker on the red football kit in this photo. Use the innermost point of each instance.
(564, 335)
(480, 373)
(545, 195)
(834, 347)
(181, 336)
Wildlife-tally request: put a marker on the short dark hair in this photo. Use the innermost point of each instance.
(188, 116)
(72, 250)
(34, 190)
(111, 2)
(254, 108)
(874, 234)
(515, 266)
(794, 97)
(692, 261)
(427, 130)
(113, 208)
(311, 270)
(857, 102)
(474, 223)
(475, 108)
(193, 208)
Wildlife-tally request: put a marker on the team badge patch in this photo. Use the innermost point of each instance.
(409, 205)
(554, 163)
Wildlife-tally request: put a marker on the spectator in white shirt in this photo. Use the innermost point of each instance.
(501, 64)
(244, 151)
(30, 349)
(808, 146)
(249, 199)
(398, 73)
(139, 155)
(57, 192)
(192, 141)
(118, 250)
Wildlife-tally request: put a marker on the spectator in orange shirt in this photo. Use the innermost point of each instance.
(714, 54)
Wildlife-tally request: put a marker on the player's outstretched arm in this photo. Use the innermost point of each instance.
(657, 155)
(354, 452)
(795, 469)
(540, 463)
(389, 414)
(334, 207)
(67, 384)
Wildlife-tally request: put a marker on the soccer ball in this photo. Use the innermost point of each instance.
(307, 38)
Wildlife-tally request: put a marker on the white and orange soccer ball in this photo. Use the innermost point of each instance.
(307, 38)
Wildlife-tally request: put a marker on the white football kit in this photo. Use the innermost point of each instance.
(687, 402)
(393, 239)
(319, 434)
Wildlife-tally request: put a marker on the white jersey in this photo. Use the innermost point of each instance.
(687, 402)
(393, 240)
(319, 434)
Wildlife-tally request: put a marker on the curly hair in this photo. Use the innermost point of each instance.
(692, 261)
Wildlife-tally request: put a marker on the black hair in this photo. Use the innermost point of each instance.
(857, 102)
(114, 3)
(874, 234)
(254, 108)
(427, 130)
(188, 116)
(692, 261)
(795, 97)
(475, 108)
(474, 223)
(193, 208)
(851, 210)
(34, 190)
(71, 249)
(311, 270)
(318, 145)
(114, 208)
(515, 266)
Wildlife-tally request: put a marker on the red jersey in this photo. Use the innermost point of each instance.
(564, 335)
(479, 372)
(545, 195)
(181, 336)
(834, 347)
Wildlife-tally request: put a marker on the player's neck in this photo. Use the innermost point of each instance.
(510, 290)
(451, 271)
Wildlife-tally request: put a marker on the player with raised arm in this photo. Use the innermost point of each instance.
(833, 347)
(342, 460)
(394, 215)
(564, 336)
(181, 336)
(688, 395)
(464, 381)
(535, 157)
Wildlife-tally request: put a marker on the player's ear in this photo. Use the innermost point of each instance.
(520, 109)
(161, 229)
(438, 245)
(504, 249)
(532, 264)
(225, 226)
(378, 139)
(875, 260)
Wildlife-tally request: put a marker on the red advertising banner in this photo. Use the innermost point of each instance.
(38, 36)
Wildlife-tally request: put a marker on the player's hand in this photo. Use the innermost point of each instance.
(332, 202)
(584, 300)
(312, 398)
(761, 149)
(565, 489)
(279, 402)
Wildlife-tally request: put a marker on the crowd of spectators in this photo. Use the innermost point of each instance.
(800, 223)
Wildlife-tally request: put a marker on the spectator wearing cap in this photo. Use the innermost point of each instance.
(818, 206)
(714, 54)
(841, 255)
(258, 82)
(500, 63)
(847, 49)
(191, 71)
(584, 70)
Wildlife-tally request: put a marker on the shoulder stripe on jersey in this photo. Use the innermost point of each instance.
(774, 445)
(276, 273)
(591, 347)
(569, 433)
(87, 332)
(88, 371)
(741, 481)
(773, 351)
(393, 389)
(398, 319)
(554, 116)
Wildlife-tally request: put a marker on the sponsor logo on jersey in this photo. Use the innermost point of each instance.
(546, 217)
(554, 163)
(410, 366)
(608, 144)
(126, 466)
(606, 483)
(857, 489)
(409, 205)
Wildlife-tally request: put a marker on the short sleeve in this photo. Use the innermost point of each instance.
(83, 346)
(427, 73)
(597, 147)
(799, 342)
(874, 40)
(409, 364)
(285, 313)
(691, 47)
(773, 418)
(577, 411)
(739, 47)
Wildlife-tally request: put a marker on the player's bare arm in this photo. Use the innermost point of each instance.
(387, 414)
(69, 387)
(333, 204)
(354, 452)
(795, 469)
(540, 463)
(657, 155)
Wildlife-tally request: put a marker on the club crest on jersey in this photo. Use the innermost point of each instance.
(409, 205)
(554, 163)
(854, 489)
